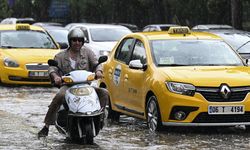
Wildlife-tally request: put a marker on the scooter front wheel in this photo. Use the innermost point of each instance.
(89, 133)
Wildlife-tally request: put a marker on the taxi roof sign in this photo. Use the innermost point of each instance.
(179, 30)
(22, 27)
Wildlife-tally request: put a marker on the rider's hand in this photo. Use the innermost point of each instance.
(98, 74)
(57, 79)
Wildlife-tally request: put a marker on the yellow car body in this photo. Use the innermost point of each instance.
(171, 94)
(25, 63)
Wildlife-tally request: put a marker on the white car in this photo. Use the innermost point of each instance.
(101, 38)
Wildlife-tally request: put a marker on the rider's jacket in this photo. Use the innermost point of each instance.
(85, 61)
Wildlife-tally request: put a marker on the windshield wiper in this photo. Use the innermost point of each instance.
(7, 46)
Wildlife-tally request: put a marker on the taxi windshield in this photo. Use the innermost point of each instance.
(26, 39)
(194, 53)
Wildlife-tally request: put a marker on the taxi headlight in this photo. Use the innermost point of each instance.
(81, 91)
(67, 80)
(10, 63)
(181, 88)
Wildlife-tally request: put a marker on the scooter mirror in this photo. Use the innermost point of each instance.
(52, 62)
(102, 59)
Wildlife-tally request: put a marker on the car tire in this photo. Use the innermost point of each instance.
(114, 116)
(247, 128)
(153, 114)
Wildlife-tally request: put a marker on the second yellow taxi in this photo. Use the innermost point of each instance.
(178, 78)
(24, 52)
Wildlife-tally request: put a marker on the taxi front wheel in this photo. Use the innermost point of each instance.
(114, 116)
(153, 114)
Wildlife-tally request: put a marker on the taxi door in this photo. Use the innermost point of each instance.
(116, 70)
(134, 80)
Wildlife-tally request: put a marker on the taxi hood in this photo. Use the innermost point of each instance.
(209, 75)
(31, 55)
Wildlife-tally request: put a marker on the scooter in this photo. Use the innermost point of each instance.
(80, 118)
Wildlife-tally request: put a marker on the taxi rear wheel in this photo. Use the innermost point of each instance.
(153, 114)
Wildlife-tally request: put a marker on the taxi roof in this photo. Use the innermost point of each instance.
(4, 27)
(165, 35)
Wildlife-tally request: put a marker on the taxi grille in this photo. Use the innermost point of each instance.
(37, 66)
(213, 94)
(15, 78)
(206, 118)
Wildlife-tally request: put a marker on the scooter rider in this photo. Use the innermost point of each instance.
(76, 57)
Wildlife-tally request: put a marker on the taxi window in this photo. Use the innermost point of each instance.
(139, 52)
(26, 39)
(193, 52)
(122, 53)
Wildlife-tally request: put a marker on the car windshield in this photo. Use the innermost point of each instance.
(26, 39)
(237, 41)
(59, 35)
(194, 53)
(245, 48)
(108, 34)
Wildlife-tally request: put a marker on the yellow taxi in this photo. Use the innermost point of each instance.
(24, 52)
(177, 78)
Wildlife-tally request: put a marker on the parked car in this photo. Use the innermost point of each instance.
(60, 35)
(212, 27)
(101, 38)
(158, 27)
(238, 39)
(42, 24)
(24, 52)
(17, 20)
(132, 27)
(71, 25)
(177, 78)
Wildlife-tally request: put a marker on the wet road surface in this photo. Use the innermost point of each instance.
(22, 110)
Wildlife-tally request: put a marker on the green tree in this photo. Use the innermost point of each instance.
(41, 9)
(5, 11)
(22, 8)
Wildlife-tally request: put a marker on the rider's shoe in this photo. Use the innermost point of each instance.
(43, 132)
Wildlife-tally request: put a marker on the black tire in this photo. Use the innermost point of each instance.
(89, 133)
(114, 116)
(153, 114)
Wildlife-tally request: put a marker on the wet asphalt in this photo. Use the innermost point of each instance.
(22, 110)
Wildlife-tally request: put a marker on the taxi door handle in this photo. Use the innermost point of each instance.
(125, 77)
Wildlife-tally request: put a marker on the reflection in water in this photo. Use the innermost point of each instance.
(22, 111)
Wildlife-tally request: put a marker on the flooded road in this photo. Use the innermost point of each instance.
(22, 111)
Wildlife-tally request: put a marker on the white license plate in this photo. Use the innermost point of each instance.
(214, 110)
(38, 74)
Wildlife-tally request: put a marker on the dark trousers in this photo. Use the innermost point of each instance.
(60, 98)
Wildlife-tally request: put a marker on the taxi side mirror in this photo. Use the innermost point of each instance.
(102, 59)
(136, 64)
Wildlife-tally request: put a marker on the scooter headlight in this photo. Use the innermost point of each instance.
(81, 91)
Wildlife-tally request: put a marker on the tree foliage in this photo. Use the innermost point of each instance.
(5, 11)
(139, 12)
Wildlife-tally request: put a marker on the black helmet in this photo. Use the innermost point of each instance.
(76, 33)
